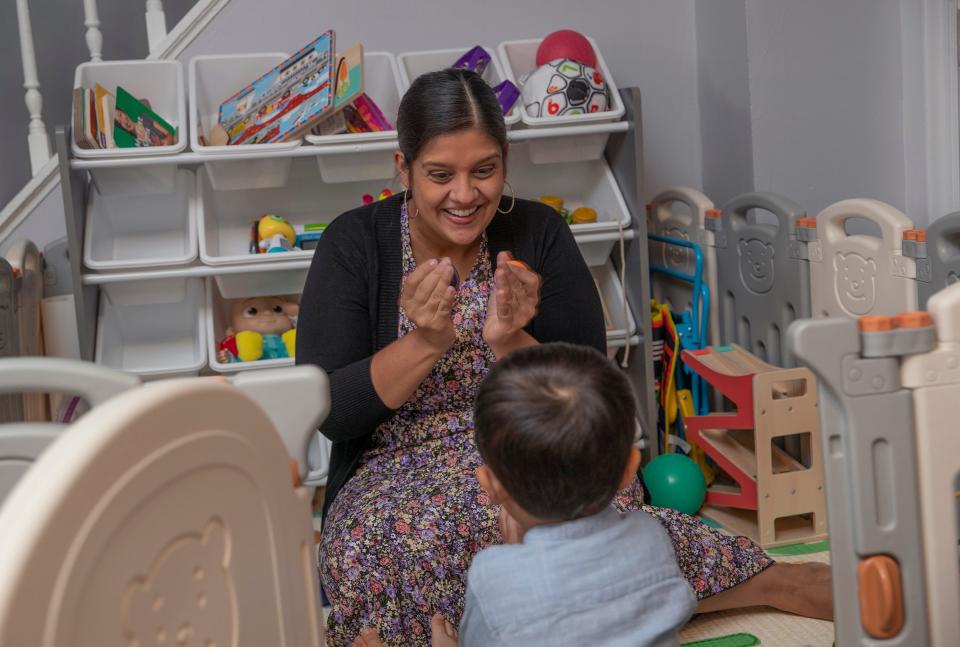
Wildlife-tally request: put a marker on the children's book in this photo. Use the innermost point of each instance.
(349, 77)
(136, 125)
(90, 133)
(79, 112)
(106, 107)
(280, 103)
(103, 125)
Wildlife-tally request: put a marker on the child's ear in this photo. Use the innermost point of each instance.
(490, 484)
(633, 463)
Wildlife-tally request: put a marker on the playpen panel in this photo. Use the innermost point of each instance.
(165, 516)
(866, 421)
(943, 251)
(938, 448)
(762, 276)
(935, 377)
(856, 274)
(688, 224)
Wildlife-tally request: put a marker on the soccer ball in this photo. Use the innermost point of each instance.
(565, 87)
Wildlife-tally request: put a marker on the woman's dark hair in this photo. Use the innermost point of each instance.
(444, 102)
(555, 424)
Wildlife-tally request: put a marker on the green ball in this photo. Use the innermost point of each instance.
(676, 482)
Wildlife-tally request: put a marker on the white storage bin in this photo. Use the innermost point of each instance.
(162, 83)
(135, 231)
(218, 316)
(618, 319)
(580, 184)
(226, 216)
(519, 58)
(269, 279)
(152, 328)
(381, 82)
(213, 79)
(413, 64)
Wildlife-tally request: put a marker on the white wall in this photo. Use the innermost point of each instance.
(647, 43)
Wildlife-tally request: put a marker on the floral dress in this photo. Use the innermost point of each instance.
(399, 537)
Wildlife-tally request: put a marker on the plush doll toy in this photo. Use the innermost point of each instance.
(260, 328)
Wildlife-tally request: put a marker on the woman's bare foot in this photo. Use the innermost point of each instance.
(443, 634)
(368, 638)
(803, 589)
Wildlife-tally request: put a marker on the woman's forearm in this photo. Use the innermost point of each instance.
(398, 369)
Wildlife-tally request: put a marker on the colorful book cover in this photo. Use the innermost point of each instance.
(107, 103)
(90, 121)
(136, 125)
(286, 100)
(349, 77)
(99, 93)
(79, 115)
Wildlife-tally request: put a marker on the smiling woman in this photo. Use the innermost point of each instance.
(406, 347)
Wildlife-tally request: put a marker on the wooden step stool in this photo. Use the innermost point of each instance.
(778, 499)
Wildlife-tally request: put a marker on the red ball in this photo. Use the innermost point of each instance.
(566, 43)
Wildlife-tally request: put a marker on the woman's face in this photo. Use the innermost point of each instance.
(456, 182)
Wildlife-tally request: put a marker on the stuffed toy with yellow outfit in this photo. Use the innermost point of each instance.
(261, 328)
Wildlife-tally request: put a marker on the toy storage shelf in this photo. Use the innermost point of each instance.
(610, 184)
(187, 158)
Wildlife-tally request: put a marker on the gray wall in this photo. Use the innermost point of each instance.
(826, 94)
(59, 41)
(647, 43)
(807, 99)
(724, 97)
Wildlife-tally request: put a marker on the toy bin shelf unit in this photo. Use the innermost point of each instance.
(159, 242)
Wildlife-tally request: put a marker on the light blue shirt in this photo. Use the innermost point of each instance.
(602, 580)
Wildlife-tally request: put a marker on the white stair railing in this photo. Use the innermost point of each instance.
(37, 138)
(156, 23)
(91, 20)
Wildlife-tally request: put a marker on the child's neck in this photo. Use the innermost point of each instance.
(522, 521)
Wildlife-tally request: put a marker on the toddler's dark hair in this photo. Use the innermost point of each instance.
(555, 424)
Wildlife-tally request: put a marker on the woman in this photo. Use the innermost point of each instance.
(407, 304)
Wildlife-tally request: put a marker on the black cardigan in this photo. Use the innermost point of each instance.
(349, 309)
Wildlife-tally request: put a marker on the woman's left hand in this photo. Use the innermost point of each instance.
(513, 303)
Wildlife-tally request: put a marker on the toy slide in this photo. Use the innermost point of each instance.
(165, 515)
(762, 275)
(691, 226)
(856, 275)
(777, 499)
(943, 257)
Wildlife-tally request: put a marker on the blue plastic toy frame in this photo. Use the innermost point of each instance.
(694, 326)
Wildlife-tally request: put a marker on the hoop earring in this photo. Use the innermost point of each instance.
(513, 199)
(405, 204)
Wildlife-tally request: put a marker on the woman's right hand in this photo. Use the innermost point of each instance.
(427, 298)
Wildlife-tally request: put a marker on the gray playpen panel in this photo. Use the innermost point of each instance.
(943, 250)
(762, 275)
(866, 420)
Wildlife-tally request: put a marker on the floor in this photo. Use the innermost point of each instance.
(770, 627)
